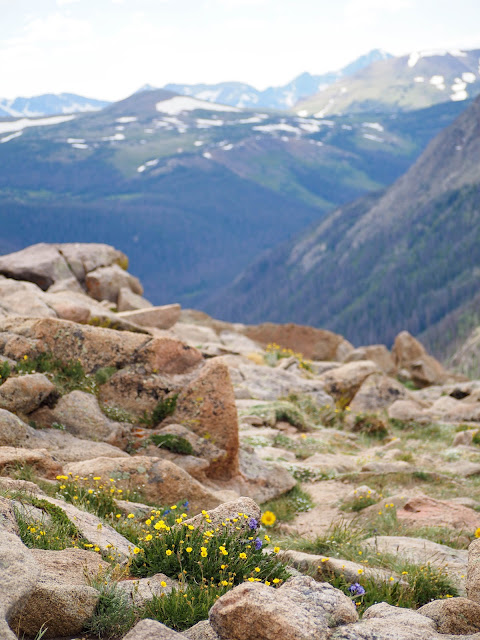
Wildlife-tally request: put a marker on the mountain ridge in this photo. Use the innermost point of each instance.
(357, 272)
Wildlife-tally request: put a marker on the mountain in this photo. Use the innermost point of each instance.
(418, 80)
(49, 104)
(242, 95)
(401, 259)
(193, 191)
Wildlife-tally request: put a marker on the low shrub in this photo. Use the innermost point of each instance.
(174, 443)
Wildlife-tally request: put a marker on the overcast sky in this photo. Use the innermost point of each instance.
(109, 48)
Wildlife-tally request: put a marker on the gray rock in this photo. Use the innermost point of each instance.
(62, 607)
(143, 590)
(67, 448)
(386, 629)
(129, 301)
(377, 392)
(321, 567)
(263, 480)
(160, 317)
(228, 510)
(385, 611)
(152, 630)
(97, 532)
(40, 263)
(473, 571)
(453, 615)
(23, 299)
(81, 415)
(19, 571)
(271, 383)
(420, 551)
(105, 283)
(24, 394)
(13, 431)
(201, 631)
(301, 609)
(83, 257)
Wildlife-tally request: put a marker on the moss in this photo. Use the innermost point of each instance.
(104, 374)
(174, 443)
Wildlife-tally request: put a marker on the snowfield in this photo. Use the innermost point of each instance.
(179, 104)
(23, 123)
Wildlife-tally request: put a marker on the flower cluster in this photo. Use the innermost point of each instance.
(274, 353)
(229, 552)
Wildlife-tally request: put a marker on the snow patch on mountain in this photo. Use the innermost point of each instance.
(11, 137)
(373, 125)
(115, 138)
(17, 125)
(273, 128)
(415, 56)
(468, 77)
(438, 81)
(179, 104)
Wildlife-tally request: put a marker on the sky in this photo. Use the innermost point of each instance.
(108, 49)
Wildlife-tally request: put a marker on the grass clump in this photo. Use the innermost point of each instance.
(410, 585)
(162, 410)
(411, 588)
(66, 376)
(54, 532)
(172, 442)
(358, 502)
(286, 507)
(182, 608)
(5, 371)
(114, 614)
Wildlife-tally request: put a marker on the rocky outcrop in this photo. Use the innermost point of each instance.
(423, 369)
(105, 283)
(159, 317)
(344, 382)
(377, 392)
(300, 609)
(207, 407)
(458, 616)
(160, 481)
(20, 573)
(314, 344)
(26, 393)
(93, 347)
(377, 353)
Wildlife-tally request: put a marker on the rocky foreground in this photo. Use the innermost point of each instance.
(136, 443)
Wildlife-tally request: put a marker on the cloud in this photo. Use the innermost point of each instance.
(239, 4)
(361, 8)
(54, 28)
(61, 3)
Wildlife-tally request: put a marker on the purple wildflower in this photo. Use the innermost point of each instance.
(258, 544)
(356, 589)
(253, 524)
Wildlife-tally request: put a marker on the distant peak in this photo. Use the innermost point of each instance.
(146, 87)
